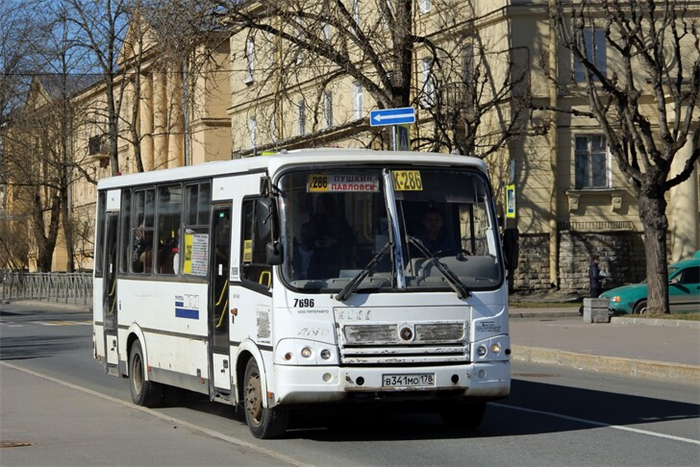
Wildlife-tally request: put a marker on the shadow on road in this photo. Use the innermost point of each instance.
(368, 423)
(27, 347)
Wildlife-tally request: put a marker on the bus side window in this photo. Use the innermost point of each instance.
(168, 244)
(142, 231)
(254, 267)
(99, 238)
(196, 230)
(125, 221)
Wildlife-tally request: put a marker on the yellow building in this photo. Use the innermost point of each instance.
(570, 199)
(481, 74)
(169, 116)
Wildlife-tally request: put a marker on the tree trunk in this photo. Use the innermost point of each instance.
(652, 208)
(69, 238)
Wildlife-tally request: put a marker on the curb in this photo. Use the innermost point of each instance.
(75, 307)
(671, 323)
(514, 314)
(604, 364)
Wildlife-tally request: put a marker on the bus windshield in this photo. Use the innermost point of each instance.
(337, 228)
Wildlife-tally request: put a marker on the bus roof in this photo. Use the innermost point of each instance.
(302, 157)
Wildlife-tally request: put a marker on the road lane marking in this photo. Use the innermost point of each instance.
(598, 424)
(17, 324)
(168, 418)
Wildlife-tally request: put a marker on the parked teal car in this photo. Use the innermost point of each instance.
(683, 290)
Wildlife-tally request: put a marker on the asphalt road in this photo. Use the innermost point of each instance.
(53, 395)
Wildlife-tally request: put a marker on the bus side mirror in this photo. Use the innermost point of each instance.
(273, 253)
(267, 225)
(264, 216)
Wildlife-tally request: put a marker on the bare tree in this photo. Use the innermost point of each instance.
(374, 44)
(656, 48)
(15, 25)
(39, 163)
(101, 26)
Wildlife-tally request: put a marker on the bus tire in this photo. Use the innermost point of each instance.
(143, 392)
(264, 423)
(463, 416)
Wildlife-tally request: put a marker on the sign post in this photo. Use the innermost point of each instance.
(510, 201)
(400, 119)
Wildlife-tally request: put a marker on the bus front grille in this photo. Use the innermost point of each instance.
(404, 343)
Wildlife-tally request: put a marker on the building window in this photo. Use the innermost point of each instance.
(424, 6)
(297, 35)
(250, 59)
(253, 132)
(357, 102)
(327, 31)
(591, 162)
(356, 11)
(390, 14)
(427, 82)
(301, 118)
(273, 127)
(94, 145)
(328, 109)
(594, 40)
(468, 76)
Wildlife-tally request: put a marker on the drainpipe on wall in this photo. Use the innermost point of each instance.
(186, 111)
(553, 146)
(683, 207)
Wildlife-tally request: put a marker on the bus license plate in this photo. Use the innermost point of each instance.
(408, 381)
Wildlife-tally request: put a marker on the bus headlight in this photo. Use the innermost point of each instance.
(305, 352)
(496, 348)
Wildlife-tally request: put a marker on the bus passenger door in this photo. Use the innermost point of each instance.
(109, 293)
(219, 300)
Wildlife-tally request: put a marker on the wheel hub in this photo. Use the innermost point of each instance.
(253, 398)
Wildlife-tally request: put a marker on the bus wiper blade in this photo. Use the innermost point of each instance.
(355, 282)
(452, 279)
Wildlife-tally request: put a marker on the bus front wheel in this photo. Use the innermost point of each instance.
(463, 416)
(143, 392)
(264, 423)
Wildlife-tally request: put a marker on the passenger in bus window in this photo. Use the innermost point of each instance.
(142, 255)
(168, 249)
(432, 235)
(305, 255)
(335, 240)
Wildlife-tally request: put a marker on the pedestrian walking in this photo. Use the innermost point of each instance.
(595, 276)
(595, 280)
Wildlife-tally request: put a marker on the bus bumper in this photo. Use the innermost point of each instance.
(317, 384)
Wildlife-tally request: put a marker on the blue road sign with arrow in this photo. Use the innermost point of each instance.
(399, 116)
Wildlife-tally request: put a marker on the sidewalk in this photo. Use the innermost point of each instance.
(667, 349)
(58, 424)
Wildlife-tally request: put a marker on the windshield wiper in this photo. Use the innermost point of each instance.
(452, 279)
(355, 282)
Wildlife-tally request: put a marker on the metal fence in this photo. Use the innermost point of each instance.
(59, 287)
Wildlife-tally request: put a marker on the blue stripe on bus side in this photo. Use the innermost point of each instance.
(186, 313)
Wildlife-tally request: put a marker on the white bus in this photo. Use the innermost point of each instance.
(308, 277)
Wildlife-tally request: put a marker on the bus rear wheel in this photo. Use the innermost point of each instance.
(264, 423)
(143, 392)
(463, 416)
